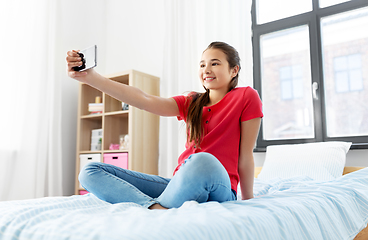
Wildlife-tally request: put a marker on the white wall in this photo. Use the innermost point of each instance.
(134, 36)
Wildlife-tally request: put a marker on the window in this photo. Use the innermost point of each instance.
(348, 73)
(266, 9)
(308, 69)
(291, 82)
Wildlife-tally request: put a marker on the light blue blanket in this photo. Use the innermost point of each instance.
(295, 208)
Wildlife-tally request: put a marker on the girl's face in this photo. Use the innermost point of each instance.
(214, 70)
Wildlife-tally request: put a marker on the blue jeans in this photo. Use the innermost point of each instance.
(201, 178)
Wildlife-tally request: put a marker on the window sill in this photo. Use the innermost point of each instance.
(354, 146)
(359, 146)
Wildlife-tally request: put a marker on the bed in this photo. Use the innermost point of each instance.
(296, 207)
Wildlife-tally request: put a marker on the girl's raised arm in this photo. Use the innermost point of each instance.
(125, 93)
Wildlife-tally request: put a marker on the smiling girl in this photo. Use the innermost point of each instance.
(222, 127)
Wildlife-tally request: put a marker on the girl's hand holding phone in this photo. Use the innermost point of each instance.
(74, 60)
(80, 62)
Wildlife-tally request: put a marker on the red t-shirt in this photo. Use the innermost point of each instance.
(222, 127)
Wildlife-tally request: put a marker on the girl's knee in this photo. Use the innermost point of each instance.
(86, 173)
(203, 159)
(204, 164)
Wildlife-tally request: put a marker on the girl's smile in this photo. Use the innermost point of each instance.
(208, 79)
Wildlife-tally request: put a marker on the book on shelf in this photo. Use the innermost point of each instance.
(95, 112)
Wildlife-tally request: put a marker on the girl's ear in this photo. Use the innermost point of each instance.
(234, 71)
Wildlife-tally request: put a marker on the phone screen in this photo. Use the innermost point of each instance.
(90, 57)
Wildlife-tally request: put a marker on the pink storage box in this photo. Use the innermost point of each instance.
(82, 192)
(117, 159)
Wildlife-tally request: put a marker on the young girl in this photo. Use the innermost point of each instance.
(222, 127)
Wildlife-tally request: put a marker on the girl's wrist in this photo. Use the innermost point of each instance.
(91, 76)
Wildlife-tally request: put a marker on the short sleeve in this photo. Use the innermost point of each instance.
(181, 101)
(253, 105)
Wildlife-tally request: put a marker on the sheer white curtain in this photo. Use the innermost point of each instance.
(30, 136)
(191, 25)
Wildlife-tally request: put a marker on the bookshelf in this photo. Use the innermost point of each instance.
(142, 127)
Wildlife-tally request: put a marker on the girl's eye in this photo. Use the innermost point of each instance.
(214, 64)
(202, 65)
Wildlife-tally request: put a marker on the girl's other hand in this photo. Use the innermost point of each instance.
(74, 60)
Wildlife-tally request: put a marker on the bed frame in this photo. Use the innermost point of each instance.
(362, 235)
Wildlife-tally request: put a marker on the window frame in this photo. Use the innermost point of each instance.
(312, 20)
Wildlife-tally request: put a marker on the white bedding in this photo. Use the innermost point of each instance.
(294, 208)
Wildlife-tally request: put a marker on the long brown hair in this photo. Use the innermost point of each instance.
(195, 129)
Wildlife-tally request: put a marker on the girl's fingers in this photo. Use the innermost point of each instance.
(73, 53)
(73, 59)
(73, 64)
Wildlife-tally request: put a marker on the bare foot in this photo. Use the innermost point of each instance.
(157, 206)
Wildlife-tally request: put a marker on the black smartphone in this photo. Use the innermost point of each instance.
(89, 59)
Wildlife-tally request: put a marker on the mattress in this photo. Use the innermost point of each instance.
(293, 208)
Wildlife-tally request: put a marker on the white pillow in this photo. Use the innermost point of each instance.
(321, 161)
